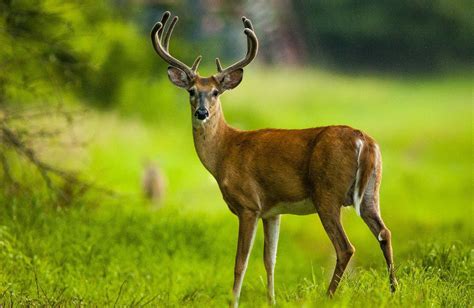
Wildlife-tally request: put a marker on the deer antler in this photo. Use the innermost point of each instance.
(161, 48)
(252, 48)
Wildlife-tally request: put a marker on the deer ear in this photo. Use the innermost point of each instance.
(232, 79)
(178, 77)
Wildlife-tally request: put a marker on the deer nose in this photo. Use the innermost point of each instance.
(201, 113)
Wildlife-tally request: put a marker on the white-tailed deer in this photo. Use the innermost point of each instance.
(268, 172)
(153, 182)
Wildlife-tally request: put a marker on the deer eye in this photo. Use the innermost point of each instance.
(192, 92)
(215, 93)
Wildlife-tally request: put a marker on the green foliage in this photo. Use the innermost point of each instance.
(104, 251)
(37, 56)
(52, 48)
(401, 35)
(123, 55)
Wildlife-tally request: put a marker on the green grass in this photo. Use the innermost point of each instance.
(120, 251)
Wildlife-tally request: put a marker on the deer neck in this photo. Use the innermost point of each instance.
(210, 139)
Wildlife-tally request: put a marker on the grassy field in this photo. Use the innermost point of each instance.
(121, 251)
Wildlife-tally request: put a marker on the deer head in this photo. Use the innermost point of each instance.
(203, 91)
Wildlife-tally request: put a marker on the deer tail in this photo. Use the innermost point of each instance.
(366, 163)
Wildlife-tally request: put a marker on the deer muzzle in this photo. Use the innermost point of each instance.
(201, 114)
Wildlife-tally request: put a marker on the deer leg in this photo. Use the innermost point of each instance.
(271, 229)
(331, 220)
(247, 227)
(370, 213)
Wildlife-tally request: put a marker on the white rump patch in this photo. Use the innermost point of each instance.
(356, 197)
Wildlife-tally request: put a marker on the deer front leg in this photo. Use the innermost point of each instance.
(271, 229)
(247, 227)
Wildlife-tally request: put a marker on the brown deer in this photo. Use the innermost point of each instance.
(153, 182)
(268, 172)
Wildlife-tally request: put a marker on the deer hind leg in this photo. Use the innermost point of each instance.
(370, 213)
(330, 215)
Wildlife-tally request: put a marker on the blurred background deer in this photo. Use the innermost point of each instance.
(153, 182)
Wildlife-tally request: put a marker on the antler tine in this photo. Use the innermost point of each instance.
(155, 32)
(163, 21)
(196, 63)
(252, 49)
(218, 64)
(247, 24)
(163, 52)
(166, 41)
